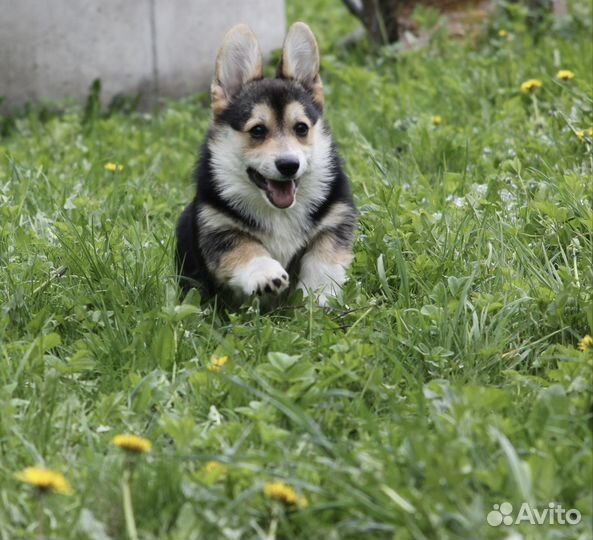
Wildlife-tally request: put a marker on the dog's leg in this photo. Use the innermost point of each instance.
(242, 263)
(323, 266)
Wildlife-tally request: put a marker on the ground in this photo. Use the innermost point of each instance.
(446, 381)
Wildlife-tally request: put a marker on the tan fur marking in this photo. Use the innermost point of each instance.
(325, 250)
(240, 256)
(293, 114)
(219, 101)
(261, 114)
(317, 91)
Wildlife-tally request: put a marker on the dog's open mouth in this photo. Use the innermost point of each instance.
(281, 193)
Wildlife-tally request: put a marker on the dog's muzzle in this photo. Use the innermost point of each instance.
(281, 193)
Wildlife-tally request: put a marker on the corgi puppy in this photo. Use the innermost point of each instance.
(273, 208)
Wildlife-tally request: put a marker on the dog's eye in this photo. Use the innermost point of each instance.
(301, 129)
(258, 132)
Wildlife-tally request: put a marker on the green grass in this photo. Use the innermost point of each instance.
(447, 380)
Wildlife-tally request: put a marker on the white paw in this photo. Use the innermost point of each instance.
(260, 275)
(322, 280)
(323, 293)
(321, 296)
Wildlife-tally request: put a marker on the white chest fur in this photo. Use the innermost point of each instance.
(282, 232)
(285, 235)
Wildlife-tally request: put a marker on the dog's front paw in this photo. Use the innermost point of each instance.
(261, 275)
(322, 279)
(323, 294)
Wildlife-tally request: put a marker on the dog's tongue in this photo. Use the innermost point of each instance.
(281, 193)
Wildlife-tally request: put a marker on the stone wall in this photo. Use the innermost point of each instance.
(54, 49)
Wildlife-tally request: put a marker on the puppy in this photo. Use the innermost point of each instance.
(273, 207)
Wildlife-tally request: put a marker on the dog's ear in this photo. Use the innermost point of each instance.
(239, 61)
(300, 60)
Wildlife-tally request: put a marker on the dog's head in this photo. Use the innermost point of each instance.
(267, 134)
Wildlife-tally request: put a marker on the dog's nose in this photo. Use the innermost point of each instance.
(287, 166)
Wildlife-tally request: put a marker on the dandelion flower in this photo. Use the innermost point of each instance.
(215, 469)
(132, 443)
(44, 480)
(503, 34)
(585, 344)
(580, 133)
(284, 493)
(530, 85)
(218, 363)
(113, 167)
(565, 75)
(437, 120)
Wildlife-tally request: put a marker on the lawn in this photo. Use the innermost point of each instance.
(447, 380)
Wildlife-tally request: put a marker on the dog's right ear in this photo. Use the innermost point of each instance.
(239, 61)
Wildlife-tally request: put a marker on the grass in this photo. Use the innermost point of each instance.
(447, 380)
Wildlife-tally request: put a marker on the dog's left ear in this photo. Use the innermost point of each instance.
(300, 60)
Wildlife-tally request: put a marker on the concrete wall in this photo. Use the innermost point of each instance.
(53, 49)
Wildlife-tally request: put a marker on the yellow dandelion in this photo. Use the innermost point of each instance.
(44, 480)
(218, 363)
(580, 133)
(437, 120)
(585, 344)
(113, 167)
(216, 469)
(132, 443)
(565, 75)
(530, 85)
(503, 33)
(284, 493)
(281, 492)
(213, 467)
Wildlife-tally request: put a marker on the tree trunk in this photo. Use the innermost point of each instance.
(380, 19)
